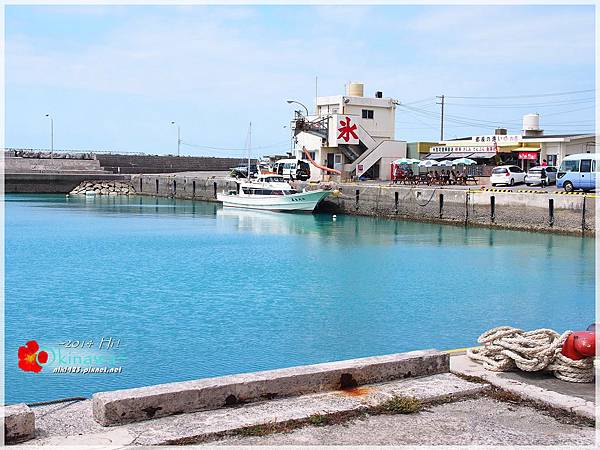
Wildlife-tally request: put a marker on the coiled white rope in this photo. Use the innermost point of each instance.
(506, 348)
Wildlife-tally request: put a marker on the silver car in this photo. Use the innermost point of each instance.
(542, 175)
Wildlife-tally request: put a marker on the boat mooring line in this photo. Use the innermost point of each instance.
(60, 400)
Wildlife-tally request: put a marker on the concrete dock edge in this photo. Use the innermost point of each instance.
(462, 366)
(132, 405)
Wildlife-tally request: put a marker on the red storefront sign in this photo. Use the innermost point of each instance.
(528, 155)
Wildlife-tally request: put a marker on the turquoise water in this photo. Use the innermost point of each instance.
(192, 290)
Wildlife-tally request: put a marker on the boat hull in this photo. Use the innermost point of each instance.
(302, 201)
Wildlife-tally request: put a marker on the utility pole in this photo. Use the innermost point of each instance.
(442, 121)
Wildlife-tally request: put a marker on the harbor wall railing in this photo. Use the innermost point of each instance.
(553, 212)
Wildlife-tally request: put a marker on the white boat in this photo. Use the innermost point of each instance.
(271, 193)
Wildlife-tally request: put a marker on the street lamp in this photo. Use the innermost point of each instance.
(301, 104)
(178, 136)
(51, 135)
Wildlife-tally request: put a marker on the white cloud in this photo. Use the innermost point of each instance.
(537, 35)
(216, 57)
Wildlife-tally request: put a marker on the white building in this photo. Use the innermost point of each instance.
(350, 133)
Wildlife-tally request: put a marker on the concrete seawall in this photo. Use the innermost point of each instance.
(164, 164)
(52, 183)
(545, 212)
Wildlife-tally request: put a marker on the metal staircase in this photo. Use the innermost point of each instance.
(352, 152)
(318, 127)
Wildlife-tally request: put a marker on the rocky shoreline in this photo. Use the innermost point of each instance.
(106, 187)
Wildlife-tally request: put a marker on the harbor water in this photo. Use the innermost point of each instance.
(187, 290)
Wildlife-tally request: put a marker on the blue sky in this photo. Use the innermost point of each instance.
(114, 77)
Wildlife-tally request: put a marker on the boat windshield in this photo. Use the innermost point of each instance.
(273, 180)
(258, 191)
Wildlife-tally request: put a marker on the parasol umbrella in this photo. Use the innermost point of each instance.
(429, 163)
(465, 161)
(406, 161)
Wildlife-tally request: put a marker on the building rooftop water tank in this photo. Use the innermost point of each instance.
(356, 89)
(531, 122)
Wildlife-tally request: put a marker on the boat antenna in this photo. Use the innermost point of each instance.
(249, 147)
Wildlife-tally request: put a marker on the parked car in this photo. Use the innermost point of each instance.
(292, 169)
(542, 175)
(509, 175)
(242, 171)
(578, 172)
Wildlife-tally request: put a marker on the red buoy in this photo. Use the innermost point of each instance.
(579, 345)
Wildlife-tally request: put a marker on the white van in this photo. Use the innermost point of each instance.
(292, 169)
(578, 172)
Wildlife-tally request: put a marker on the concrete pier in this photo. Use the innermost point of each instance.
(446, 406)
(552, 212)
(132, 405)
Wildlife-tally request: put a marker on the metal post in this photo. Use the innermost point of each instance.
(249, 146)
(583, 217)
(466, 208)
(178, 137)
(51, 135)
(316, 92)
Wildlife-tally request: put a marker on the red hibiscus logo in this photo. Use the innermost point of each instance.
(30, 359)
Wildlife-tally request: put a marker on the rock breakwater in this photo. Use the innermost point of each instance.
(103, 188)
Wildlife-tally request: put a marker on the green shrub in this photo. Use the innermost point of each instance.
(401, 405)
(318, 420)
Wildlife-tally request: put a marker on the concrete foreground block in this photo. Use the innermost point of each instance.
(132, 405)
(19, 423)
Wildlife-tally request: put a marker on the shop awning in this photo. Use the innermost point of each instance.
(483, 155)
(456, 155)
(437, 156)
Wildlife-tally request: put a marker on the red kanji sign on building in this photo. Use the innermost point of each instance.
(347, 132)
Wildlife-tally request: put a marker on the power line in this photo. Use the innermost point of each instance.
(572, 110)
(523, 105)
(421, 122)
(489, 123)
(553, 94)
(428, 99)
